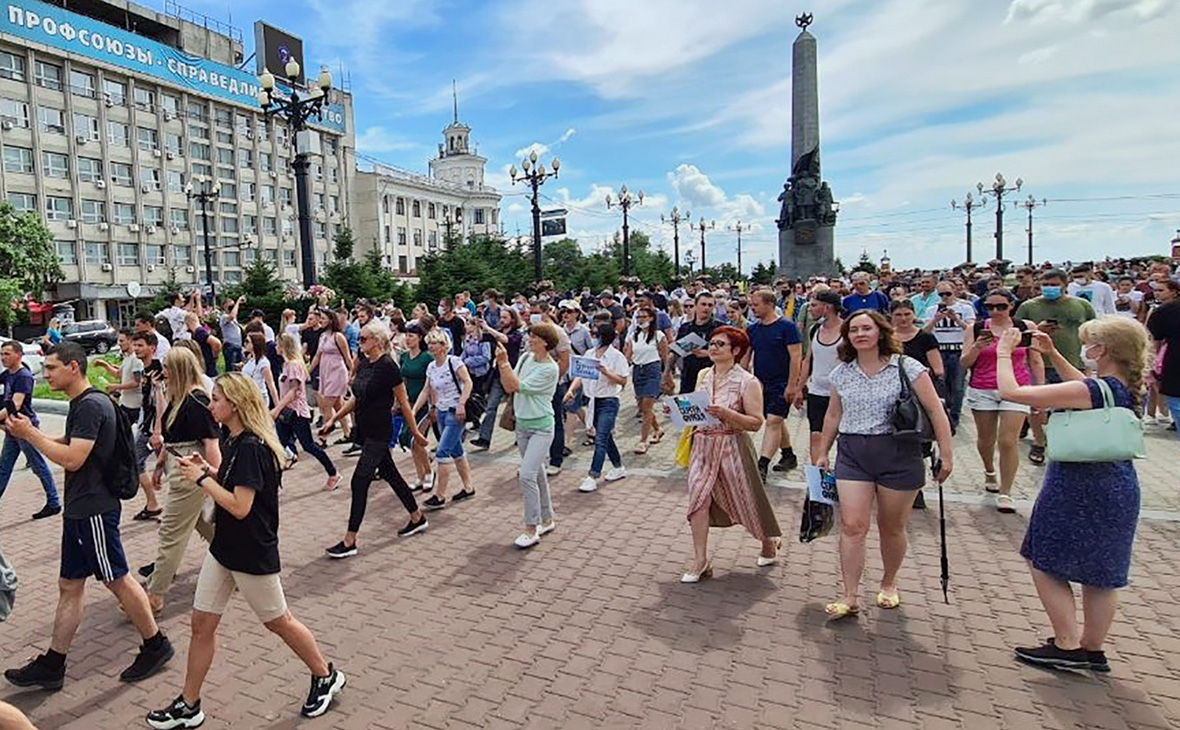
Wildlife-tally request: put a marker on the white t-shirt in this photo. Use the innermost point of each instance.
(162, 346)
(824, 359)
(614, 362)
(175, 317)
(949, 334)
(131, 371)
(256, 371)
(642, 351)
(1099, 294)
(443, 383)
(1136, 303)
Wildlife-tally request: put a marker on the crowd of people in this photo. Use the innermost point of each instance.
(222, 407)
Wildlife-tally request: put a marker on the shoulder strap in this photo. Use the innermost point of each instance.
(1107, 393)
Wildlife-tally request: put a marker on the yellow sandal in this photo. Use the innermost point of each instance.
(888, 601)
(839, 609)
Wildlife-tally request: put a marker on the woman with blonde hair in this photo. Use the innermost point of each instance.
(292, 414)
(288, 325)
(1082, 526)
(183, 425)
(334, 361)
(244, 554)
(448, 386)
(737, 317)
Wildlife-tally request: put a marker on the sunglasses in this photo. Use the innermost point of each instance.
(719, 344)
(946, 293)
(363, 338)
(998, 307)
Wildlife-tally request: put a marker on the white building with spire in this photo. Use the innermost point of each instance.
(405, 215)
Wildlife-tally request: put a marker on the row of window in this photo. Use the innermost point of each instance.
(97, 253)
(431, 211)
(431, 237)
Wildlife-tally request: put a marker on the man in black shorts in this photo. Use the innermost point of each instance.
(822, 358)
(776, 350)
(90, 543)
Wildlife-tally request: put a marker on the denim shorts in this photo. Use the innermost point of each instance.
(647, 379)
(450, 440)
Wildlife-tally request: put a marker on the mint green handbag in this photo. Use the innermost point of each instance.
(1110, 433)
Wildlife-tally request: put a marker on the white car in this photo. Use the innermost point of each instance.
(33, 358)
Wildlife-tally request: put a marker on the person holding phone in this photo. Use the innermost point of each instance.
(998, 421)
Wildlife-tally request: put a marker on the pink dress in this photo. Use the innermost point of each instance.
(723, 469)
(333, 372)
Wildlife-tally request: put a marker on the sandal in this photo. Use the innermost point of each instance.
(839, 609)
(147, 514)
(888, 601)
(1036, 455)
(641, 449)
(1004, 504)
(588, 441)
(989, 482)
(657, 438)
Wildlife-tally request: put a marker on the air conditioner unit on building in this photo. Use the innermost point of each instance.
(272, 172)
(133, 227)
(190, 269)
(108, 101)
(80, 139)
(151, 230)
(71, 223)
(175, 230)
(145, 188)
(108, 267)
(156, 153)
(167, 116)
(286, 236)
(104, 226)
(6, 125)
(269, 205)
(100, 184)
(171, 155)
(151, 267)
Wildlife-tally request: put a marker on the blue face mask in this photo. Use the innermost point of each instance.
(1051, 292)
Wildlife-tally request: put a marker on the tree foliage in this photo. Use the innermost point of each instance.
(366, 279)
(764, 274)
(865, 264)
(480, 263)
(28, 261)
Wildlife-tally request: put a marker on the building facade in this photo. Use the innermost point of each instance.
(405, 215)
(108, 111)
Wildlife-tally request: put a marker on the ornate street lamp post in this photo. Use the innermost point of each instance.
(625, 202)
(534, 174)
(675, 219)
(206, 195)
(998, 190)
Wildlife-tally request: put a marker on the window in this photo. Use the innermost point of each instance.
(432, 239)
(15, 112)
(401, 206)
(321, 230)
(144, 99)
(245, 158)
(478, 216)
(149, 176)
(249, 256)
(175, 181)
(333, 145)
(229, 225)
(23, 202)
(223, 118)
(430, 211)
(403, 265)
(128, 254)
(401, 236)
(334, 204)
(58, 209)
(174, 143)
(153, 215)
(82, 84)
(231, 277)
(197, 110)
(224, 137)
(267, 195)
(417, 239)
(271, 255)
(182, 255)
(179, 218)
(229, 190)
(417, 209)
(94, 211)
(18, 159)
(149, 139)
(115, 92)
(225, 156)
(317, 200)
(249, 192)
(334, 176)
(200, 151)
(285, 196)
(124, 213)
(318, 171)
(199, 168)
(286, 226)
(47, 75)
(385, 237)
(250, 224)
(227, 173)
(281, 135)
(289, 257)
(196, 131)
(98, 252)
(269, 226)
(52, 120)
(86, 127)
(231, 259)
(67, 252)
(266, 162)
(155, 254)
(263, 131)
(12, 66)
(89, 169)
(170, 104)
(121, 174)
(118, 134)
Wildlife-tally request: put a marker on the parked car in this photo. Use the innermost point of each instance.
(33, 358)
(95, 335)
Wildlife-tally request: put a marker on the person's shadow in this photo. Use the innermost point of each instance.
(707, 615)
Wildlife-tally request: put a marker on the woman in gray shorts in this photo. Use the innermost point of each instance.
(871, 463)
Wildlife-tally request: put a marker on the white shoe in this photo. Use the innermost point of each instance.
(764, 562)
(589, 484)
(552, 471)
(1149, 420)
(526, 540)
(542, 529)
(614, 475)
(697, 577)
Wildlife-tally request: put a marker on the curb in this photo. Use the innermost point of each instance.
(48, 405)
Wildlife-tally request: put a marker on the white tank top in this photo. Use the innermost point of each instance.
(824, 359)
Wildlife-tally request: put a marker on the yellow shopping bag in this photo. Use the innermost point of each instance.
(684, 447)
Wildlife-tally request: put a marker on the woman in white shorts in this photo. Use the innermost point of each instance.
(244, 553)
(997, 421)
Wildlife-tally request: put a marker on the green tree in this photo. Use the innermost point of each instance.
(264, 290)
(28, 261)
(343, 244)
(764, 274)
(165, 291)
(477, 264)
(865, 264)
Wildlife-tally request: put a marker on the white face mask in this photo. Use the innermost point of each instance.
(1090, 360)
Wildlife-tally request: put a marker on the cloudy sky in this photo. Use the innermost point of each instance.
(689, 100)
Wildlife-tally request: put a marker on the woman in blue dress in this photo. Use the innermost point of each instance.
(1083, 524)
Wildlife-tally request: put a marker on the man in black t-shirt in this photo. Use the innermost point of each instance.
(449, 320)
(701, 324)
(90, 530)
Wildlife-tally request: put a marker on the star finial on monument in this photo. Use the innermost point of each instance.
(804, 20)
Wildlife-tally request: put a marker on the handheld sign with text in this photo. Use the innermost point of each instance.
(821, 485)
(685, 345)
(689, 410)
(585, 368)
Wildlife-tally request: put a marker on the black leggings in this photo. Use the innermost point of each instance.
(375, 461)
(301, 428)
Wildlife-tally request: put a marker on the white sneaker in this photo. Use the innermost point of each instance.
(589, 484)
(526, 540)
(552, 471)
(544, 529)
(615, 474)
(1149, 420)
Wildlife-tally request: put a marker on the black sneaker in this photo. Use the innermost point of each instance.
(340, 550)
(177, 715)
(787, 462)
(354, 450)
(38, 673)
(480, 444)
(920, 501)
(1049, 655)
(434, 502)
(763, 471)
(1098, 661)
(47, 511)
(463, 494)
(323, 689)
(566, 451)
(149, 661)
(413, 528)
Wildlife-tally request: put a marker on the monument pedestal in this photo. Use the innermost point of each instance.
(815, 258)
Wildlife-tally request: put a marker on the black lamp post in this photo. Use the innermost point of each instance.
(625, 202)
(1030, 204)
(739, 228)
(534, 174)
(969, 204)
(703, 226)
(998, 189)
(296, 110)
(208, 194)
(675, 219)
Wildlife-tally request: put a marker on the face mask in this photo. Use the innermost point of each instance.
(594, 342)
(1051, 292)
(1091, 361)
(442, 310)
(534, 319)
(1079, 281)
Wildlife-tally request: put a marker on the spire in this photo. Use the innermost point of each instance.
(455, 96)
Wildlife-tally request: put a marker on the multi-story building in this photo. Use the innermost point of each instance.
(405, 215)
(108, 110)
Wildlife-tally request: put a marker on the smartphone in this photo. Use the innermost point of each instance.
(1052, 322)
(174, 451)
(1026, 338)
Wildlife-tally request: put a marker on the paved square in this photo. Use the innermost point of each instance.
(458, 629)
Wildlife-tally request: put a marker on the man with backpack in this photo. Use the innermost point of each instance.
(97, 455)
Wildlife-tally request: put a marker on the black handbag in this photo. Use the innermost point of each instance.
(909, 419)
(817, 522)
(477, 402)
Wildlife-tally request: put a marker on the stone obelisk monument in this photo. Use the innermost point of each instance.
(806, 224)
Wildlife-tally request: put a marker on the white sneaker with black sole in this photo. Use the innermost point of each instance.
(615, 474)
(177, 715)
(323, 689)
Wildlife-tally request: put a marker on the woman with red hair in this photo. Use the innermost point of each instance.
(724, 485)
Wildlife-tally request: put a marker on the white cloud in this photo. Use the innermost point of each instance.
(1081, 11)
(697, 192)
(567, 135)
(539, 148)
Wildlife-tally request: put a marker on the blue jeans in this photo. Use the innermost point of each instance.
(1174, 408)
(13, 448)
(232, 355)
(495, 395)
(450, 439)
(606, 410)
(556, 457)
(955, 382)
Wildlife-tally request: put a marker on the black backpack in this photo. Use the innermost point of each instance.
(121, 470)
